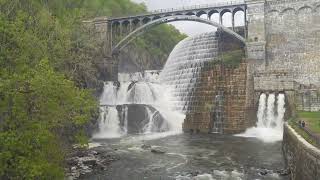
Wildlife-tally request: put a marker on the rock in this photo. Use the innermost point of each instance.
(144, 146)
(72, 161)
(83, 161)
(229, 169)
(80, 153)
(95, 153)
(263, 172)
(284, 172)
(158, 151)
(196, 173)
(90, 162)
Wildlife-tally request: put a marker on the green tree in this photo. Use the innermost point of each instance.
(36, 108)
(49, 68)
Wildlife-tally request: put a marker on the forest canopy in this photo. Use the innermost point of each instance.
(48, 73)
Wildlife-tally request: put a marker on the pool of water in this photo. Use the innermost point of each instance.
(199, 157)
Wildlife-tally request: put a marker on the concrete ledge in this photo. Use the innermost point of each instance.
(307, 145)
(301, 157)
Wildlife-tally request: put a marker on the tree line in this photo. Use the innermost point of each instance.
(49, 71)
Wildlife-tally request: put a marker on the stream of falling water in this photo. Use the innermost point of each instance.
(148, 95)
(270, 116)
(109, 123)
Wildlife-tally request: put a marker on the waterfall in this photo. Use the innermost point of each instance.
(109, 125)
(184, 66)
(261, 111)
(109, 96)
(270, 112)
(125, 116)
(270, 116)
(148, 127)
(281, 111)
(170, 92)
(149, 100)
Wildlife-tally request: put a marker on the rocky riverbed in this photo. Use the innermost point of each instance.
(85, 161)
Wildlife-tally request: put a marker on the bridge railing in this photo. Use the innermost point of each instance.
(203, 6)
(185, 8)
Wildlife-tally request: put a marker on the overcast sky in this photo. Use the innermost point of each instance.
(191, 28)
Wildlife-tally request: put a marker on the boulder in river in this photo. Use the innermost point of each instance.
(145, 146)
(284, 172)
(157, 150)
(263, 172)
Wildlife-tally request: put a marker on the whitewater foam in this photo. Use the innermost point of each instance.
(147, 93)
(269, 127)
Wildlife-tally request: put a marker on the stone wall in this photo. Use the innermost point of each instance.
(229, 82)
(307, 98)
(293, 38)
(256, 29)
(301, 158)
(273, 81)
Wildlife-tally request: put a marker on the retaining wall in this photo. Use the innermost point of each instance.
(302, 158)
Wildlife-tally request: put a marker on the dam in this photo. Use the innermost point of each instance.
(232, 89)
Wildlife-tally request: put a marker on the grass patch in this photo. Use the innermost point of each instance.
(312, 120)
(294, 124)
(232, 58)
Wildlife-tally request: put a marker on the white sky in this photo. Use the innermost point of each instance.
(191, 28)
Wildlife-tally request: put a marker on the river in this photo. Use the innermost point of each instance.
(187, 157)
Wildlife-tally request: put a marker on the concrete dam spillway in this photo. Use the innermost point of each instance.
(184, 66)
(145, 112)
(209, 82)
(243, 103)
(196, 86)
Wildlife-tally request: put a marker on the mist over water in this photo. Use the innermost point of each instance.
(269, 127)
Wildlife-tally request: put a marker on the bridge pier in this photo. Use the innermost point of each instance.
(109, 67)
(256, 41)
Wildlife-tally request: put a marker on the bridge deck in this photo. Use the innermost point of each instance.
(160, 12)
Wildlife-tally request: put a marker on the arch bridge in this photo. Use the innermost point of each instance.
(122, 30)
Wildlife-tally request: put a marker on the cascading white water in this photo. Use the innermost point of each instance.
(281, 111)
(143, 92)
(148, 128)
(125, 114)
(171, 97)
(271, 118)
(269, 127)
(109, 96)
(185, 64)
(109, 125)
(261, 111)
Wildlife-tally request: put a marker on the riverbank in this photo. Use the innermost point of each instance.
(91, 160)
(312, 120)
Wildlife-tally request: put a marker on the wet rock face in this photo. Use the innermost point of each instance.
(131, 85)
(138, 116)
